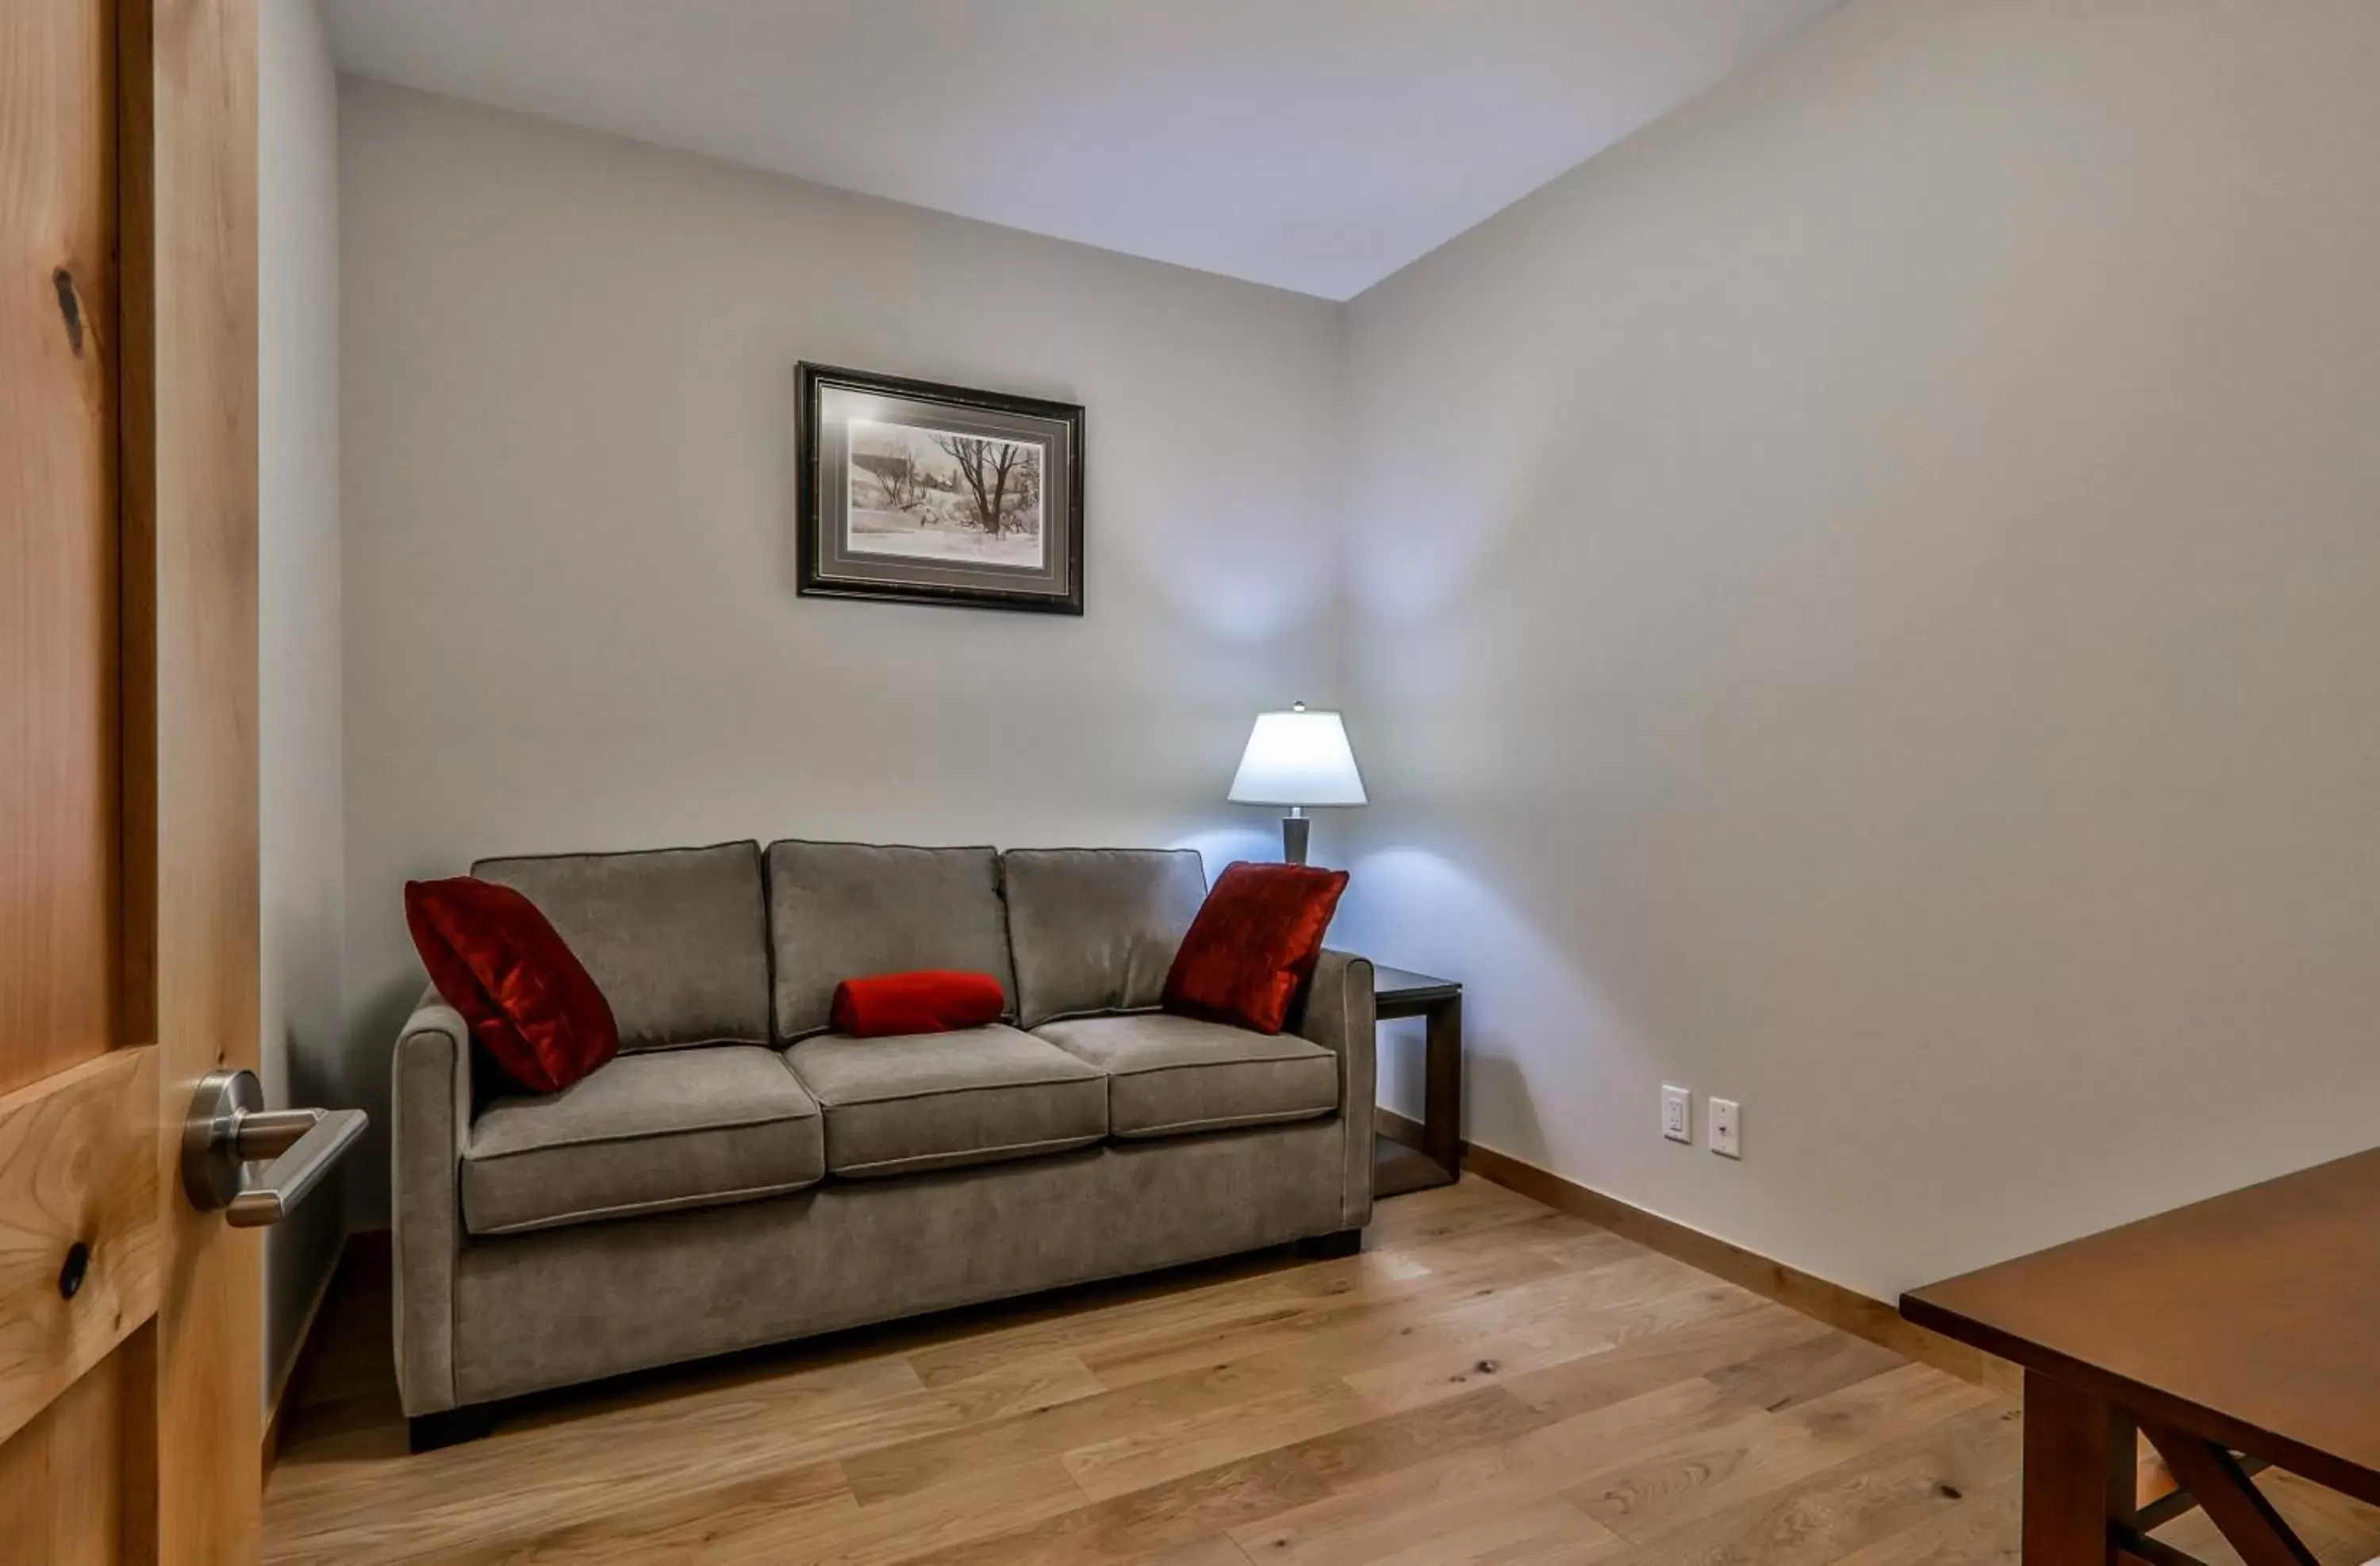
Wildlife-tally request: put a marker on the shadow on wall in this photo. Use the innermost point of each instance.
(1226, 846)
(301, 1251)
(1409, 906)
(375, 1022)
(1222, 847)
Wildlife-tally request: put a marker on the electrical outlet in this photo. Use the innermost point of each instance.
(1727, 1128)
(1677, 1114)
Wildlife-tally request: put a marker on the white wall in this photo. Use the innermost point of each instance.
(571, 621)
(302, 849)
(1866, 600)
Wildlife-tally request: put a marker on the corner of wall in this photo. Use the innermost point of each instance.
(301, 846)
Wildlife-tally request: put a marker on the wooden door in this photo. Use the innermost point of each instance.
(129, 1388)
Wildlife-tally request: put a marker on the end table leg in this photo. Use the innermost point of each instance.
(1441, 1134)
(2078, 1456)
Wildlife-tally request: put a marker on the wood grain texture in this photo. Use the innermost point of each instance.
(2078, 1475)
(1490, 1381)
(190, 481)
(2338, 1528)
(77, 1169)
(61, 1486)
(1846, 1309)
(58, 538)
(135, 464)
(2244, 1515)
(127, 797)
(2245, 1319)
(77, 1124)
(1438, 1397)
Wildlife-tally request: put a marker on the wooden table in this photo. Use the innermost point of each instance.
(2234, 1333)
(1396, 1168)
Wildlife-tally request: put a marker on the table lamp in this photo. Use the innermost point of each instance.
(1300, 760)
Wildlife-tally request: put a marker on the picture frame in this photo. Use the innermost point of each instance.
(915, 492)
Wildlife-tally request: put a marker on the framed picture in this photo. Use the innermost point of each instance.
(938, 494)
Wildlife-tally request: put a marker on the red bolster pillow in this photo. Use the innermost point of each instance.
(930, 1000)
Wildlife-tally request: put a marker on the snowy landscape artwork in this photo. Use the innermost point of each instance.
(921, 493)
(916, 491)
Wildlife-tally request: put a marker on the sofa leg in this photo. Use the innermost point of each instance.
(428, 1432)
(1322, 1247)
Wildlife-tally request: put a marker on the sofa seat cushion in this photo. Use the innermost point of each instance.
(683, 1128)
(1169, 1074)
(938, 1101)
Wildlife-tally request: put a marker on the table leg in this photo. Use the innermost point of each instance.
(1441, 1134)
(2079, 1459)
(2231, 1500)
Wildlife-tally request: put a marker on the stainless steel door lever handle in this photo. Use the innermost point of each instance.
(228, 1129)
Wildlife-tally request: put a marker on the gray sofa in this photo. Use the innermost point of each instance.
(740, 1174)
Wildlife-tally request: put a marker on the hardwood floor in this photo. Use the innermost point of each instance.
(1489, 1382)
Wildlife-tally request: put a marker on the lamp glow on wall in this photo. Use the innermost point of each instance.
(1300, 760)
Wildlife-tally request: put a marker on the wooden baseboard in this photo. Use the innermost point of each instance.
(1846, 1309)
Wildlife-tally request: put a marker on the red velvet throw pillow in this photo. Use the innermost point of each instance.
(930, 1000)
(1254, 942)
(497, 960)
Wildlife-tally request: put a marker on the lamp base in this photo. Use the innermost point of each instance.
(1294, 830)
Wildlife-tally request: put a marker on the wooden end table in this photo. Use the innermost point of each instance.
(1396, 1168)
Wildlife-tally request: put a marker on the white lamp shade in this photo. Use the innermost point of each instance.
(1298, 757)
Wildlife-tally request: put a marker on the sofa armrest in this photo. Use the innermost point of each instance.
(1339, 1017)
(430, 1114)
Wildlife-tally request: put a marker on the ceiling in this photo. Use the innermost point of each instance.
(1318, 145)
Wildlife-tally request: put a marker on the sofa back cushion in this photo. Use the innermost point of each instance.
(850, 910)
(675, 938)
(1094, 929)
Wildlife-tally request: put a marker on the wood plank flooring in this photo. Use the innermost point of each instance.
(1489, 1382)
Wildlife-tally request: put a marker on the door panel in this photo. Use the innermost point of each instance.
(57, 543)
(78, 1187)
(78, 1124)
(61, 1488)
(202, 611)
(131, 1416)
